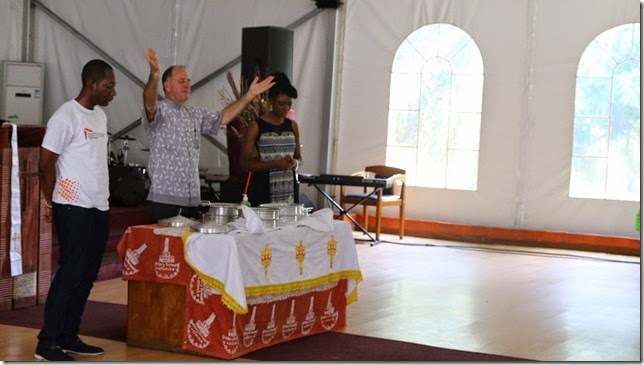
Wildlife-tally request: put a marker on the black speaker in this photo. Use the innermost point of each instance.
(266, 50)
(328, 4)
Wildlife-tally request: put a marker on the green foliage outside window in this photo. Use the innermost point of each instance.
(435, 108)
(606, 144)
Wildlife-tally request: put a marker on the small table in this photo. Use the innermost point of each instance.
(225, 295)
(347, 180)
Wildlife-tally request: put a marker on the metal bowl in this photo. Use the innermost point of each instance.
(210, 228)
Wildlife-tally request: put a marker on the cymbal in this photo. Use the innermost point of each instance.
(127, 138)
(145, 149)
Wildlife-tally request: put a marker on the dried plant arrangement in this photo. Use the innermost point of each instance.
(254, 110)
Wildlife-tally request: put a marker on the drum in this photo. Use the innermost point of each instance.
(128, 185)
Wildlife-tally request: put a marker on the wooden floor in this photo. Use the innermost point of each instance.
(544, 304)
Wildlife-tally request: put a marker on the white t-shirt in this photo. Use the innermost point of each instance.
(79, 136)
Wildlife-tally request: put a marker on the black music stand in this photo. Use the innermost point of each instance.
(209, 180)
(346, 180)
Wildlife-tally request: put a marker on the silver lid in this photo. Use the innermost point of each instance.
(177, 221)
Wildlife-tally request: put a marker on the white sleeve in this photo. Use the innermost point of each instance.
(59, 133)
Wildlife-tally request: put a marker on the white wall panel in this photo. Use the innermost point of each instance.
(530, 51)
(559, 41)
(374, 31)
(11, 30)
(202, 35)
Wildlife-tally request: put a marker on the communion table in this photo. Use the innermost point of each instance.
(225, 295)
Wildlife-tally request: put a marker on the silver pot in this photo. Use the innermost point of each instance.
(267, 213)
(292, 218)
(270, 217)
(288, 209)
(210, 228)
(222, 213)
(270, 223)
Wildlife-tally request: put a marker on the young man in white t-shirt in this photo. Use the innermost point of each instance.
(75, 184)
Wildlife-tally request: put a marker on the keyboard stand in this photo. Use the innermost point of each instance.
(345, 212)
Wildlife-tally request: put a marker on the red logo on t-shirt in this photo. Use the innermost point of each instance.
(89, 134)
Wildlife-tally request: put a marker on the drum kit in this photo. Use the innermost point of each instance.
(129, 183)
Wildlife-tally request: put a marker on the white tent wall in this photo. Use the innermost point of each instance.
(530, 51)
(203, 35)
(564, 29)
(11, 30)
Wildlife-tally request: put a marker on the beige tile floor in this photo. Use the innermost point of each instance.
(539, 304)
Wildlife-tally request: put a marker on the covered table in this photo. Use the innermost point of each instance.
(225, 295)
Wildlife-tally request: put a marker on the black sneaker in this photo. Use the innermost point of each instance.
(51, 353)
(76, 346)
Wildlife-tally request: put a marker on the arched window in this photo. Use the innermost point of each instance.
(606, 140)
(435, 108)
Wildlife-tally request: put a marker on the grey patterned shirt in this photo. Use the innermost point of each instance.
(175, 140)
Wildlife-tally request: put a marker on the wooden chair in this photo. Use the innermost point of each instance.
(394, 196)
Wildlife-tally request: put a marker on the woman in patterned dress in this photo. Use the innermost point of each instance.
(271, 148)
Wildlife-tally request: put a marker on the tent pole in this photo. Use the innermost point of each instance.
(27, 46)
(336, 103)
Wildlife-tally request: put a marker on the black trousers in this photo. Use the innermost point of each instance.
(158, 211)
(82, 236)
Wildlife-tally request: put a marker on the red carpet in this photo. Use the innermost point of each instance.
(93, 322)
(329, 346)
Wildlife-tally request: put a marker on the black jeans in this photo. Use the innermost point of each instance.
(158, 211)
(82, 236)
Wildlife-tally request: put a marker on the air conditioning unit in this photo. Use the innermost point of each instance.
(21, 87)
